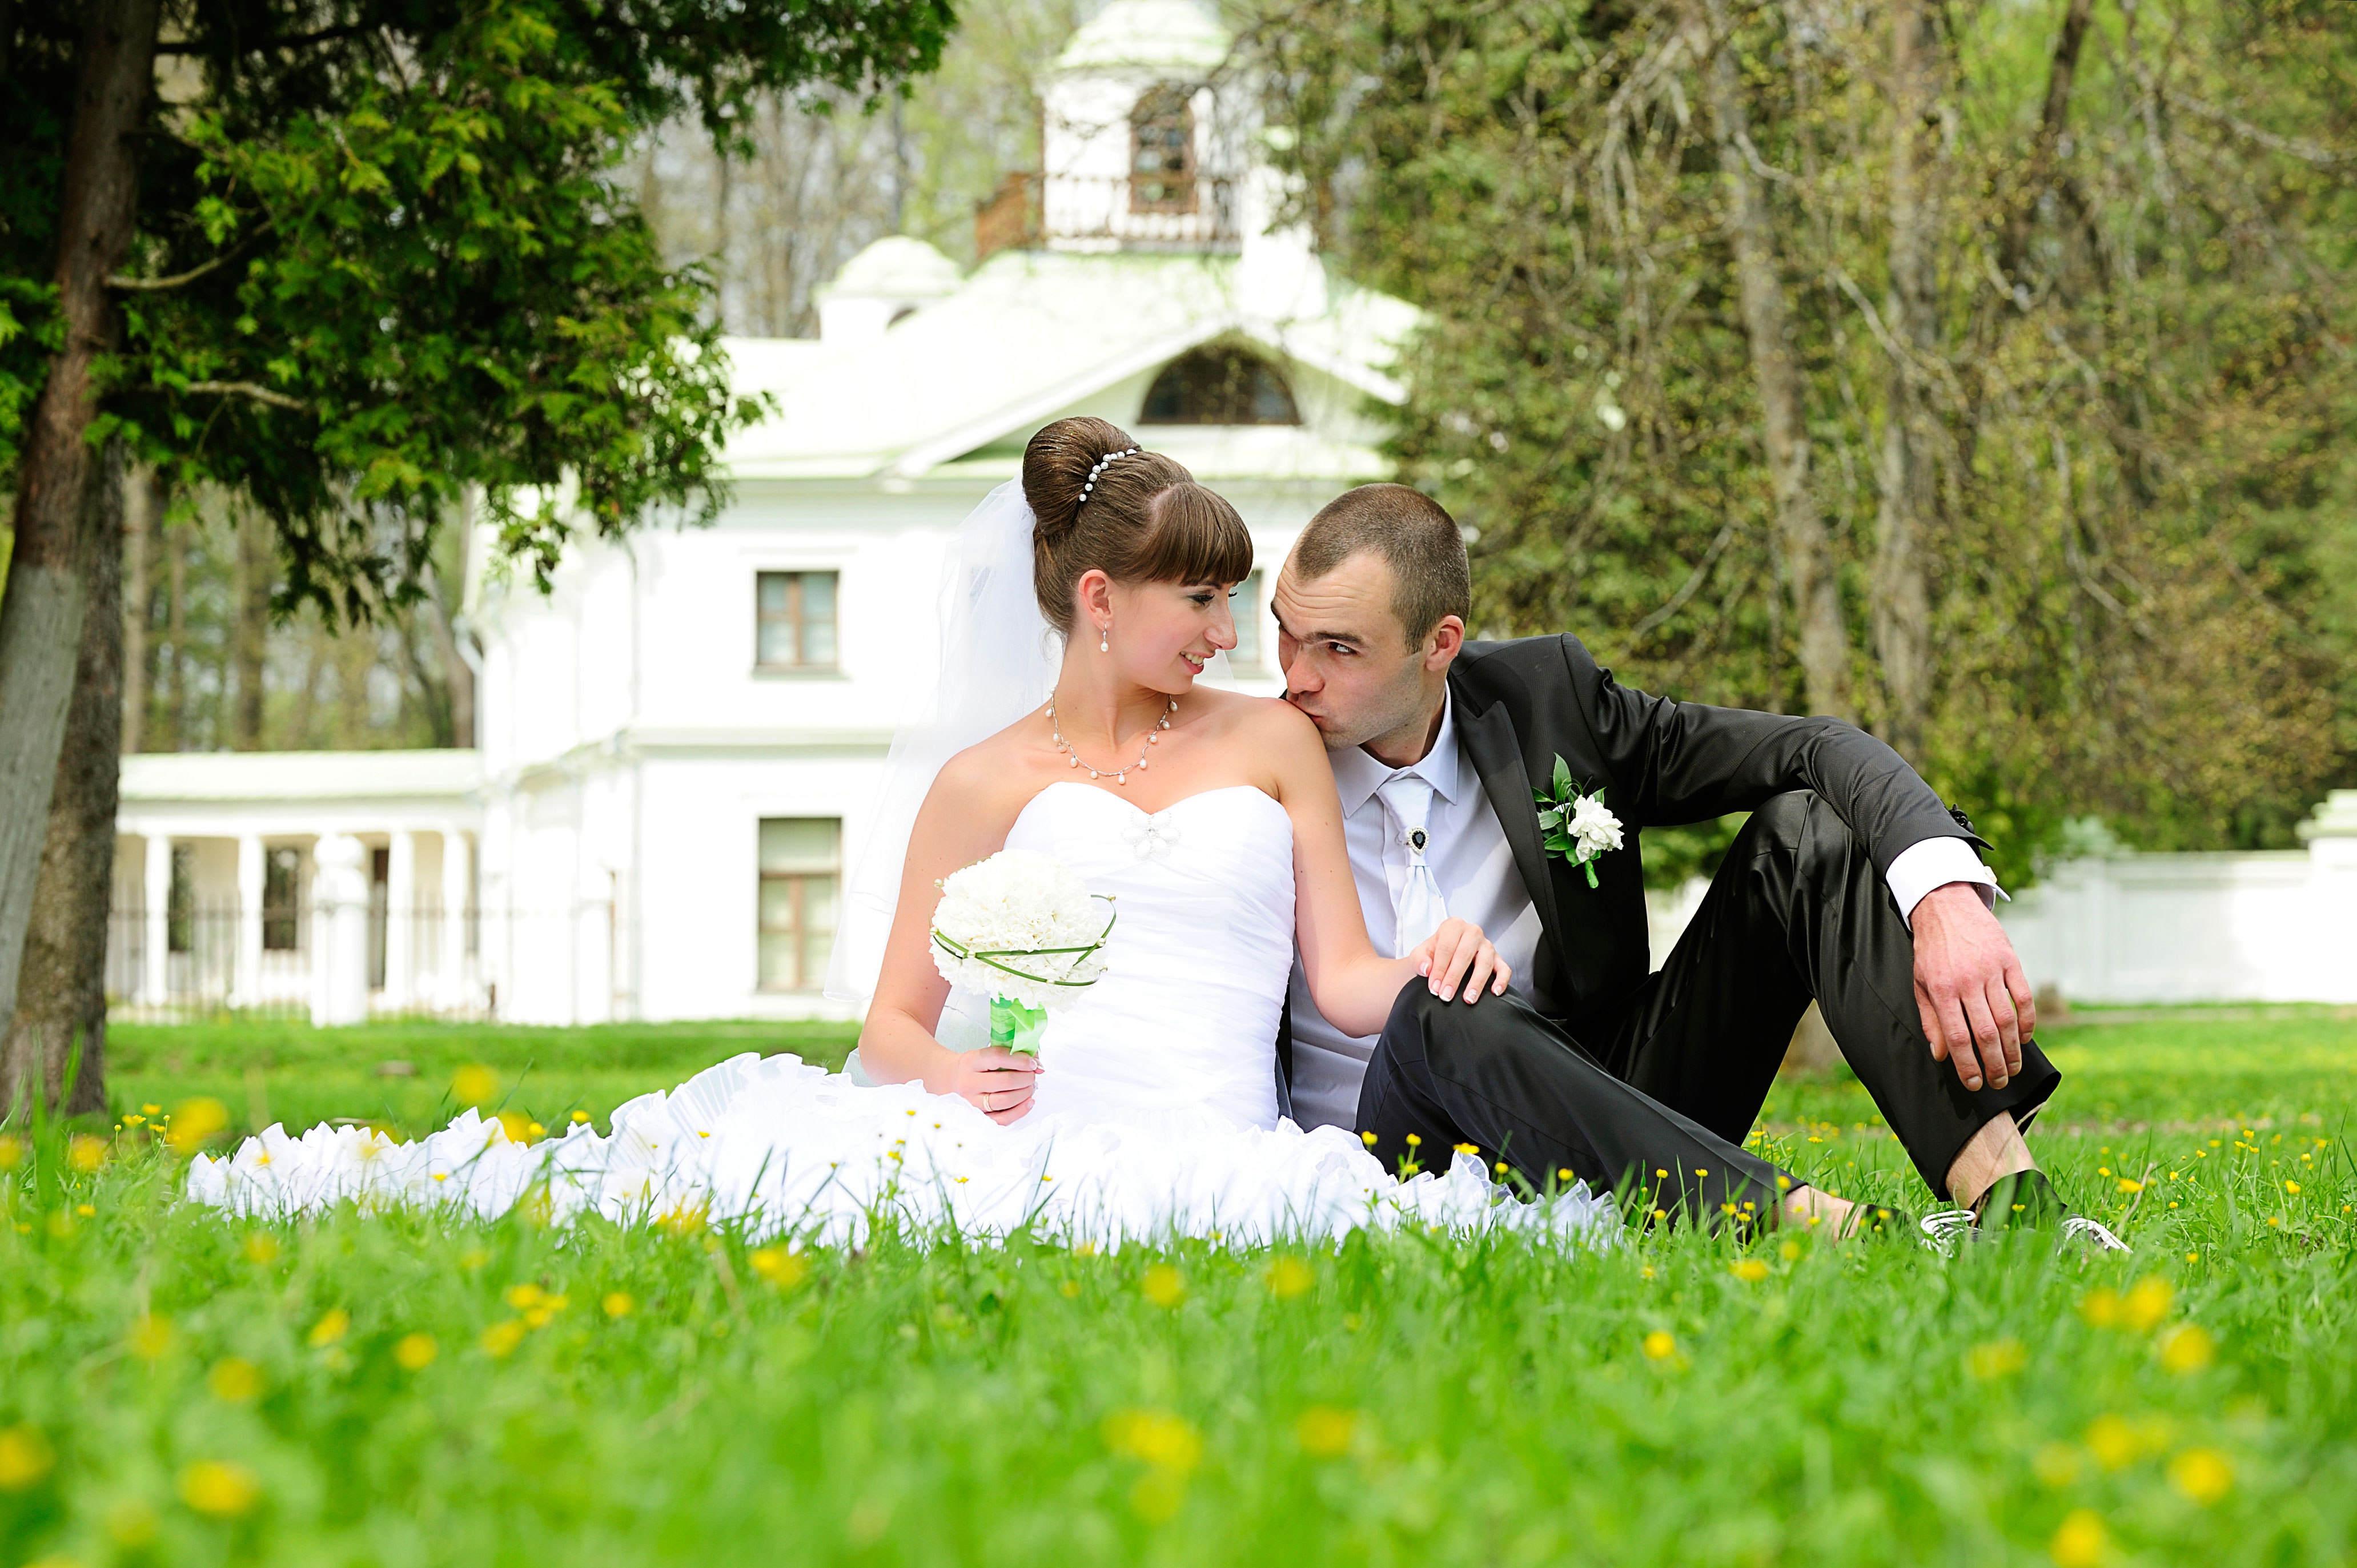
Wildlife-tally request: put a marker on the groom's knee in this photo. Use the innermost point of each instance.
(1424, 1027)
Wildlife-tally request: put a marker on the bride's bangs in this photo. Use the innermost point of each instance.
(1196, 537)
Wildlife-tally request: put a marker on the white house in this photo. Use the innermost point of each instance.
(678, 746)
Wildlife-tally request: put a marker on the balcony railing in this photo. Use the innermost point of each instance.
(1163, 213)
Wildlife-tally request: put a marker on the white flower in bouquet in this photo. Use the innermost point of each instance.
(1020, 928)
(1593, 827)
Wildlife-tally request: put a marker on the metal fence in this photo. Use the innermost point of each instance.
(196, 960)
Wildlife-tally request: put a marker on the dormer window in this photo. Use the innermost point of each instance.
(1162, 152)
(1220, 386)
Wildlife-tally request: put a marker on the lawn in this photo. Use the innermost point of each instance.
(406, 1389)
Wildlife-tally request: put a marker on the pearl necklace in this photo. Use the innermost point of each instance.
(1120, 774)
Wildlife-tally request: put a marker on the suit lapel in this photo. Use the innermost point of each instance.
(1488, 738)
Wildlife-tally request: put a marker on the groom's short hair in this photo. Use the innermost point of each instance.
(1415, 536)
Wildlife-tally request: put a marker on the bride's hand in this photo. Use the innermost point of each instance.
(996, 1081)
(1459, 953)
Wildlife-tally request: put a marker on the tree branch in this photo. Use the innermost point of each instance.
(251, 389)
(290, 41)
(2299, 148)
(179, 280)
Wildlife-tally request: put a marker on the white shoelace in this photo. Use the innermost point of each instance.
(1945, 1227)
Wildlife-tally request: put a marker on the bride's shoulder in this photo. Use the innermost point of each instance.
(989, 766)
(1266, 721)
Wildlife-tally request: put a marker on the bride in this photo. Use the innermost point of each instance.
(1086, 602)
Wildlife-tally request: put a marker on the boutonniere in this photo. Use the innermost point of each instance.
(1576, 823)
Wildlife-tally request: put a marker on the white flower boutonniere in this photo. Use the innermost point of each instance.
(1577, 824)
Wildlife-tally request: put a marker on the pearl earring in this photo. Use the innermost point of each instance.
(1105, 638)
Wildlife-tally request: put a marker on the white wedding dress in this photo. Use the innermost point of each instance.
(1155, 1114)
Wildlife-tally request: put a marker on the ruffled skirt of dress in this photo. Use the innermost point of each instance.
(785, 1149)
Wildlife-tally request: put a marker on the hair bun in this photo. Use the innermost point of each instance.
(1059, 465)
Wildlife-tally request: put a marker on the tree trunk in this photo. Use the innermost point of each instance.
(61, 990)
(41, 616)
(1751, 230)
(1909, 496)
(2038, 173)
(176, 629)
(251, 641)
(143, 504)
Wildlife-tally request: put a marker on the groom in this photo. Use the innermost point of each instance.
(1851, 885)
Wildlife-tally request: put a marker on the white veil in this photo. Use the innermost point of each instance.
(998, 661)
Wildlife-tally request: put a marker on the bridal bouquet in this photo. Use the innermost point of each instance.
(1020, 928)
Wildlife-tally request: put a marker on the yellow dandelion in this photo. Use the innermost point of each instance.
(1661, 1345)
(474, 1084)
(2147, 1304)
(2081, 1540)
(194, 1122)
(618, 1303)
(1325, 1432)
(2201, 1474)
(1998, 1358)
(151, 1336)
(1289, 1277)
(330, 1328)
(502, 1338)
(1164, 1287)
(1368, 1139)
(25, 1458)
(220, 1488)
(2056, 1464)
(1751, 1271)
(2187, 1349)
(2113, 1442)
(779, 1267)
(416, 1352)
(234, 1380)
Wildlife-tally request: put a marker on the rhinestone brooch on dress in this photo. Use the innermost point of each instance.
(1151, 835)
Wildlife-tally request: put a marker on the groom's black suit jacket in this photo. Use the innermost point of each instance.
(1659, 763)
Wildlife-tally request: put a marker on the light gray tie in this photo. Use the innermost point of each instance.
(1417, 909)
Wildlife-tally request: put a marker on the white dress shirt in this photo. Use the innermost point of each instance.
(1479, 881)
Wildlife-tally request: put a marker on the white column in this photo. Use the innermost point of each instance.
(457, 884)
(340, 931)
(155, 978)
(400, 915)
(251, 880)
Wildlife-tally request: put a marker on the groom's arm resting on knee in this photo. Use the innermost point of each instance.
(1969, 987)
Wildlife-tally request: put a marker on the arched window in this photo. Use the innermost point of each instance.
(1220, 386)
(1162, 152)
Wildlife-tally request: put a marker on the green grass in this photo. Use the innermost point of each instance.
(1413, 1399)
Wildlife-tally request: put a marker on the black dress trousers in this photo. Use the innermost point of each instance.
(1673, 1078)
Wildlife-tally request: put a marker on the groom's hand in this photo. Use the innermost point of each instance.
(1975, 998)
(997, 1082)
(1458, 954)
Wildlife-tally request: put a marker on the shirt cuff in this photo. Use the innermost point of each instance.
(1933, 864)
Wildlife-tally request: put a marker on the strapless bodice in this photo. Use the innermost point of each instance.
(1195, 971)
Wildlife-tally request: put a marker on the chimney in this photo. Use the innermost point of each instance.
(1009, 219)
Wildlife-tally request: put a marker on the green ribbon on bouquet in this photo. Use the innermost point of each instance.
(1016, 1027)
(1013, 1024)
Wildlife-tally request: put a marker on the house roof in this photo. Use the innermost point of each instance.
(1154, 33)
(1028, 336)
(160, 777)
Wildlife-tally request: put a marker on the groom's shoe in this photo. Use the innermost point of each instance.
(2026, 1200)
